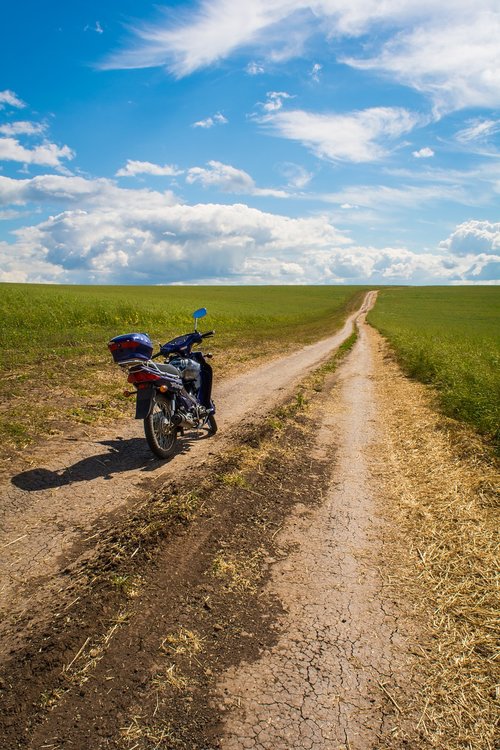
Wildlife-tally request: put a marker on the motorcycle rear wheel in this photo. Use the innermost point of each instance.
(161, 434)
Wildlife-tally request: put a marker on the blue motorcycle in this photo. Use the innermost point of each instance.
(169, 396)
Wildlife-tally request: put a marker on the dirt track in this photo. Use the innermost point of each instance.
(343, 639)
(276, 601)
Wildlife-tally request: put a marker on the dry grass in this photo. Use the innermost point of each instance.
(239, 573)
(444, 487)
(184, 643)
(142, 733)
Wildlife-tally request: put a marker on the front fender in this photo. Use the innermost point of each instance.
(144, 402)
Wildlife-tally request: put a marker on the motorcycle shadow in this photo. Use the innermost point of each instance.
(121, 456)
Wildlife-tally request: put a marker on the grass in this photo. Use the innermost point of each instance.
(449, 337)
(55, 366)
(441, 501)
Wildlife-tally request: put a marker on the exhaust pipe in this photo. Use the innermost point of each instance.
(180, 419)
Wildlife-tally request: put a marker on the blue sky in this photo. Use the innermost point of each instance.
(332, 141)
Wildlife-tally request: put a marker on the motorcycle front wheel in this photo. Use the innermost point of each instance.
(161, 434)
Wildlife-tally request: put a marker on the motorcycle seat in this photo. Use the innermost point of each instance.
(168, 369)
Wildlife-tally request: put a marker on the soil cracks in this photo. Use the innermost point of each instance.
(336, 675)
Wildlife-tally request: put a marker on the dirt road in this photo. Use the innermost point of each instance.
(319, 585)
(345, 638)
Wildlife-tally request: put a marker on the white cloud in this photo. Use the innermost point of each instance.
(298, 177)
(22, 127)
(275, 100)
(47, 154)
(96, 27)
(68, 191)
(387, 198)
(447, 50)
(209, 122)
(24, 263)
(254, 69)
(456, 64)
(9, 214)
(133, 168)
(170, 243)
(109, 234)
(9, 98)
(229, 179)
(423, 153)
(316, 70)
(201, 37)
(478, 130)
(474, 237)
(358, 136)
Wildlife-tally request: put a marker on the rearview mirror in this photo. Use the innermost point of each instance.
(200, 313)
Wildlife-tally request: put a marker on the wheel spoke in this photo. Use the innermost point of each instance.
(165, 432)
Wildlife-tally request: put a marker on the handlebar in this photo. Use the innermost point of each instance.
(207, 334)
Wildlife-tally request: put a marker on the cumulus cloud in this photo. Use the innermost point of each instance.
(23, 263)
(47, 154)
(361, 136)
(22, 127)
(171, 243)
(110, 234)
(423, 153)
(49, 190)
(103, 233)
(209, 122)
(10, 99)
(474, 237)
(229, 179)
(133, 168)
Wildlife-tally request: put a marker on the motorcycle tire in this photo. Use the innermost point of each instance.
(212, 425)
(161, 434)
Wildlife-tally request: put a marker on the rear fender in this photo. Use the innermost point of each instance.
(144, 402)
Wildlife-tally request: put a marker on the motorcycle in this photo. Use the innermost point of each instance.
(171, 396)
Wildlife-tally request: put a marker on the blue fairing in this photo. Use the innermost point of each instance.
(181, 344)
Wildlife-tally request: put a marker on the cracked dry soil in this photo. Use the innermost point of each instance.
(342, 666)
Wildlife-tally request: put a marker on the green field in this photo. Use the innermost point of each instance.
(449, 337)
(55, 364)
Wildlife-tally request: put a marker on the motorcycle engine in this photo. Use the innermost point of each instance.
(190, 370)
